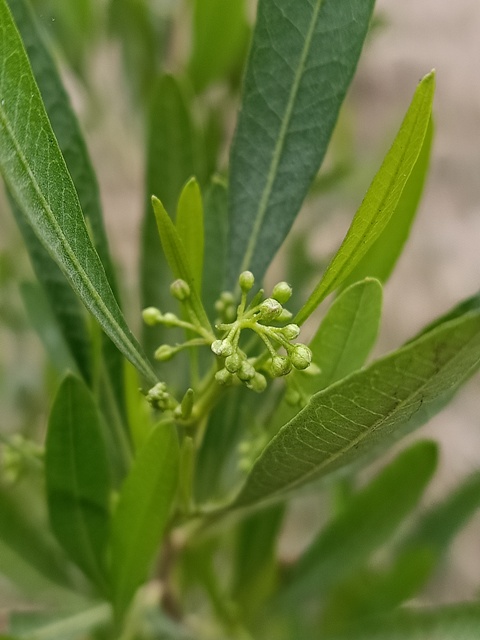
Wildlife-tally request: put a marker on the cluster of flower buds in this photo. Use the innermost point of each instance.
(262, 316)
(160, 398)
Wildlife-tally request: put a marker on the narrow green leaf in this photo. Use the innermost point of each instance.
(363, 413)
(216, 234)
(301, 62)
(190, 229)
(220, 33)
(37, 177)
(370, 519)
(77, 478)
(382, 256)
(459, 622)
(142, 513)
(176, 256)
(382, 196)
(47, 626)
(346, 335)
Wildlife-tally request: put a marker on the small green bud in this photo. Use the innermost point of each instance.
(169, 320)
(285, 316)
(258, 383)
(151, 316)
(246, 281)
(159, 397)
(291, 331)
(227, 297)
(222, 348)
(186, 405)
(223, 377)
(270, 309)
(164, 352)
(301, 356)
(246, 371)
(292, 397)
(282, 292)
(280, 366)
(180, 290)
(233, 362)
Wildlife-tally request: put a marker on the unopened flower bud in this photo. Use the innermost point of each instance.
(280, 366)
(285, 316)
(282, 292)
(233, 362)
(246, 281)
(258, 383)
(151, 316)
(291, 331)
(164, 352)
(180, 290)
(301, 356)
(222, 348)
(169, 319)
(246, 371)
(292, 397)
(223, 377)
(270, 309)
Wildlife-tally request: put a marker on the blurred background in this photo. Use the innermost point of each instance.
(439, 267)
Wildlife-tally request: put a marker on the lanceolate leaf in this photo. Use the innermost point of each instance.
(37, 177)
(189, 224)
(77, 477)
(369, 520)
(382, 196)
(357, 416)
(142, 512)
(297, 75)
(216, 234)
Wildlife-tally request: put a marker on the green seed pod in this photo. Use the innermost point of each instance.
(282, 292)
(246, 281)
(258, 383)
(233, 362)
(223, 377)
(246, 371)
(280, 366)
(151, 316)
(301, 356)
(291, 331)
(180, 290)
(222, 348)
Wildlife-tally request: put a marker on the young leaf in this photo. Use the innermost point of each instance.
(142, 513)
(177, 258)
(38, 179)
(77, 479)
(220, 32)
(216, 234)
(382, 196)
(361, 414)
(298, 72)
(189, 225)
(370, 519)
(380, 259)
(446, 623)
(347, 334)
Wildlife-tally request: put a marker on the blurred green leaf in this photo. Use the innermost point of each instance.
(177, 259)
(363, 413)
(459, 622)
(220, 33)
(382, 196)
(189, 223)
(60, 626)
(77, 478)
(216, 233)
(142, 513)
(297, 75)
(380, 259)
(369, 520)
(38, 179)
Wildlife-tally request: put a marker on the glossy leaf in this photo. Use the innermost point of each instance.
(363, 413)
(220, 33)
(216, 234)
(370, 519)
(77, 478)
(38, 179)
(177, 259)
(189, 223)
(346, 335)
(298, 72)
(456, 621)
(382, 256)
(382, 197)
(142, 513)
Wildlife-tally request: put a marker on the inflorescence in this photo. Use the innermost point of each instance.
(265, 317)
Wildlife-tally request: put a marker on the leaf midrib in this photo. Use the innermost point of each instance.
(262, 209)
